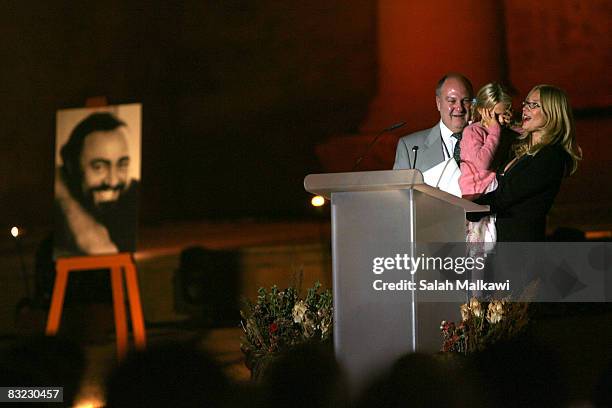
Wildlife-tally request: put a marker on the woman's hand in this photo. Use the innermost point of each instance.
(505, 119)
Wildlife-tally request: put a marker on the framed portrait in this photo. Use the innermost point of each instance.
(97, 180)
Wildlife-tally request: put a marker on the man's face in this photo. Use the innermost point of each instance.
(104, 164)
(454, 104)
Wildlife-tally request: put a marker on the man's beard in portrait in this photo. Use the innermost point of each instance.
(104, 199)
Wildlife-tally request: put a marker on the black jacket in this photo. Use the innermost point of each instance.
(525, 194)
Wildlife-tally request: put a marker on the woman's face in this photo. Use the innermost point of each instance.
(533, 116)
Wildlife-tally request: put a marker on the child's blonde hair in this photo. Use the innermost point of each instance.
(488, 96)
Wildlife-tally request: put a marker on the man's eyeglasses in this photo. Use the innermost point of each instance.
(531, 105)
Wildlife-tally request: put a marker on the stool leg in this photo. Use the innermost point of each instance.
(119, 309)
(57, 301)
(138, 327)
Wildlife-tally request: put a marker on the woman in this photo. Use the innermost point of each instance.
(543, 155)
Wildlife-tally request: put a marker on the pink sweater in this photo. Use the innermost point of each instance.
(478, 146)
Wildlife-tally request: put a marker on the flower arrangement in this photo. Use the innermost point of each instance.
(484, 323)
(279, 320)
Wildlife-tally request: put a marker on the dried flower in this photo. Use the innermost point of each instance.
(280, 320)
(299, 311)
(475, 307)
(309, 326)
(465, 312)
(325, 326)
(443, 325)
(495, 311)
(502, 320)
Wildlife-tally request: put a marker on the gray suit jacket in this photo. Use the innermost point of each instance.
(430, 151)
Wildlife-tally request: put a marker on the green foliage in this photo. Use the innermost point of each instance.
(279, 320)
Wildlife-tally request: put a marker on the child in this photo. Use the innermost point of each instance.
(479, 146)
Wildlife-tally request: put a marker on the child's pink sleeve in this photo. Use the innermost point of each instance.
(478, 147)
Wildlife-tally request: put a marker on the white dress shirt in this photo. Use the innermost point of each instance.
(447, 140)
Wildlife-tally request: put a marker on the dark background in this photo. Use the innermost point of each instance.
(237, 95)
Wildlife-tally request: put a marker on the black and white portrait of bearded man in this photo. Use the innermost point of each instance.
(96, 200)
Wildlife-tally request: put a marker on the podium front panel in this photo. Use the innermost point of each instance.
(435, 221)
(371, 327)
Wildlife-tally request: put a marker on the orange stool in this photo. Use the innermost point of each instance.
(116, 263)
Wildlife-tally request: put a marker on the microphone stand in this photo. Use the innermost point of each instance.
(25, 302)
(24, 274)
(389, 129)
(415, 150)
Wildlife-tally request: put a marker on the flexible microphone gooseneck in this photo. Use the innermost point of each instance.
(415, 150)
(385, 130)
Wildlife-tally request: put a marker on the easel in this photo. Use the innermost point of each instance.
(118, 264)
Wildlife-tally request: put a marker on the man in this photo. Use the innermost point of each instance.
(453, 98)
(96, 201)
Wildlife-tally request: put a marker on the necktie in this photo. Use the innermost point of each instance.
(457, 149)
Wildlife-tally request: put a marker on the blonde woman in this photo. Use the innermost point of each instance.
(544, 153)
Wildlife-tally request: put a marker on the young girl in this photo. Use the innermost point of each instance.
(480, 145)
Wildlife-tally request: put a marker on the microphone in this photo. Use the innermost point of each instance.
(415, 150)
(393, 127)
(385, 130)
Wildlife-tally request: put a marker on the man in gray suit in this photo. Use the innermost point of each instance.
(453, 98)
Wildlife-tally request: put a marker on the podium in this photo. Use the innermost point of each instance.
(382, 214)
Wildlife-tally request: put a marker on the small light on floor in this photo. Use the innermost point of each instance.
(15, 232)
(90, 403)
(317, 201)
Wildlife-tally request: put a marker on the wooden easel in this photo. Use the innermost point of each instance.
(117, 264)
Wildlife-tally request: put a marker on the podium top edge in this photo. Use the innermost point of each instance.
(362, 181)
(384, 180)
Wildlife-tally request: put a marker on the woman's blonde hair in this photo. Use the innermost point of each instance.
(488, 96)
(558, 128)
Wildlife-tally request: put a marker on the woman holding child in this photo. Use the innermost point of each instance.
(529, 180)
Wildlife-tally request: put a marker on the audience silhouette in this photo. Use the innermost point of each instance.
(43, 362)
(172, 375)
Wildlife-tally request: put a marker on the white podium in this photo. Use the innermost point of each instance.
(382, 214)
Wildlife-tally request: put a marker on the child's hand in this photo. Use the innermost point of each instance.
(489, 117)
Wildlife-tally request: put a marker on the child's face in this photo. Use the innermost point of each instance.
(500, 112)
(500, 109)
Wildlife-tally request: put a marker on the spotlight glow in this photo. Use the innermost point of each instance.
(90, 395)
(92, 403)
(317, 201)
(15, 232)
